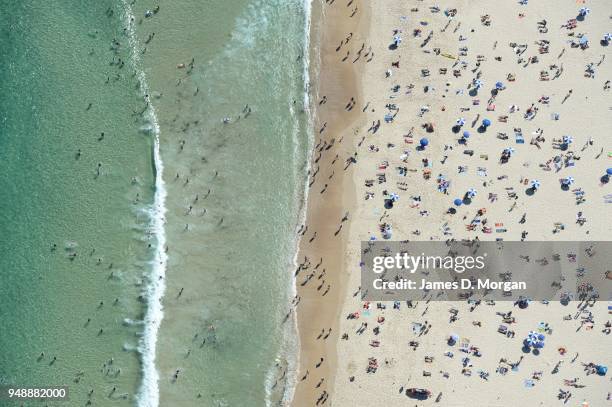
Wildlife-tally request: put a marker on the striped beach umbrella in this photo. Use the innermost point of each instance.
(478, 83)
(568, 181)
(568, 139)
(607, 38)
(533, 336)
(394, 197)
(471, 193)
(460, 121)
(510, 151)
(584, 11)
(535, 184)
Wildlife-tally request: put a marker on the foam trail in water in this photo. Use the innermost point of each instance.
(148, 394)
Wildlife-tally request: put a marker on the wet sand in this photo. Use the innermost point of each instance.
(336, 128)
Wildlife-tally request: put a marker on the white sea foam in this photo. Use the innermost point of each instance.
(291, 344)
(148, 394)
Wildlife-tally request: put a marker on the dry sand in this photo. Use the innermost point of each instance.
(585, 115)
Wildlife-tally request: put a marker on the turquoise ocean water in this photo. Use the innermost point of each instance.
(79, 242)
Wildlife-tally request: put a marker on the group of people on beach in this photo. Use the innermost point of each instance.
(405, 161)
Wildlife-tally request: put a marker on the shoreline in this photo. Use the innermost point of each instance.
(291, 341)
(328, 76)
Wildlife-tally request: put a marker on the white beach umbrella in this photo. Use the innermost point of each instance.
(607, 37)
(568, 180)
(584, 11)
(535, 184)
(478, 83)
(471, 193)
(460, 121)
(394, 197)
(509, 151)
(568, 139)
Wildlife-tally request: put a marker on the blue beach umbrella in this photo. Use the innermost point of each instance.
(538, 345)
(486, 123)
(424, 142)
(541, 337)
(458, 202)
(609, 171)
(466, 134)
(602, 370)
(499, 85)
(584, 40)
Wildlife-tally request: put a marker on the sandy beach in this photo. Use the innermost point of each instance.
(331, 194)
(529, 83)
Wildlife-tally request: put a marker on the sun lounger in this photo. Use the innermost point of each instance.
(502, 136)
